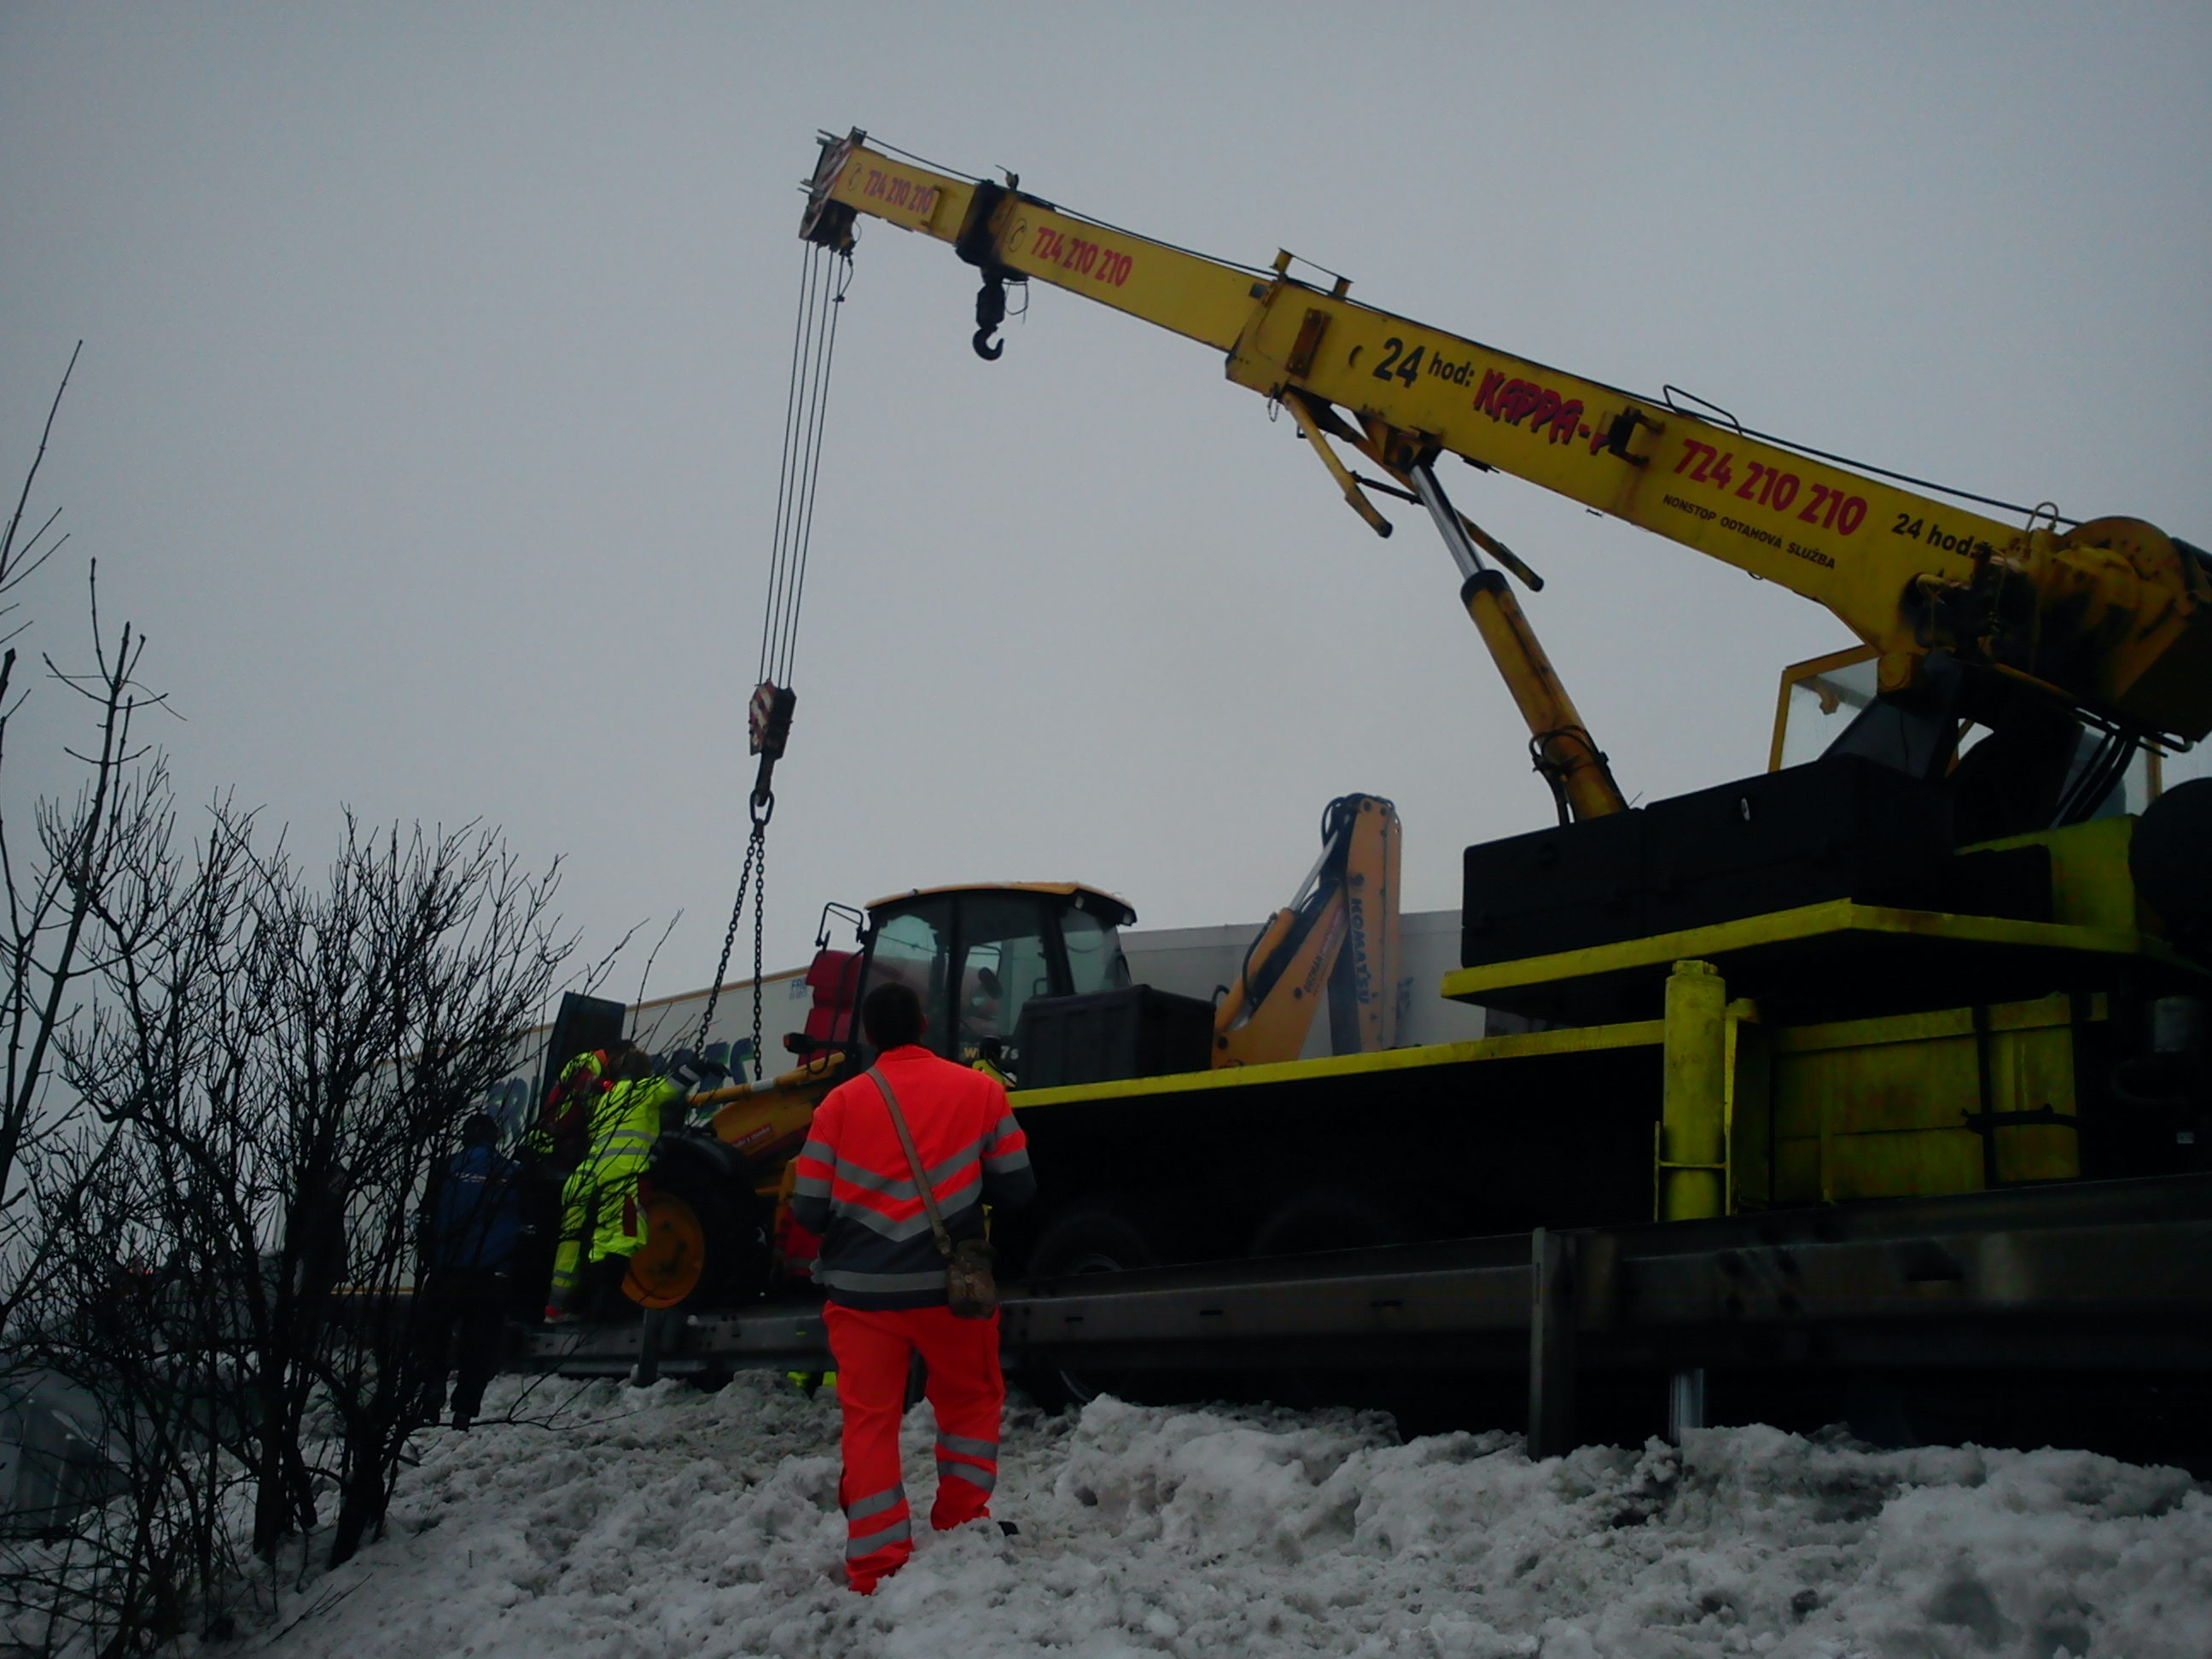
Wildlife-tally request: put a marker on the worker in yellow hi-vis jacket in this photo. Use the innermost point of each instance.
(603, 1205)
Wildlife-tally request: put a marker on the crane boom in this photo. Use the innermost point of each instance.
(2112, 615)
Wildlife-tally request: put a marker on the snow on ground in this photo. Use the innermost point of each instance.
(612, 1523)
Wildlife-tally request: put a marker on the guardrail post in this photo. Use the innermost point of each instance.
(1550, 1342)
(650, 1338)
(1686, 1403)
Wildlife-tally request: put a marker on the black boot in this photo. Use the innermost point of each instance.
(603, 1300)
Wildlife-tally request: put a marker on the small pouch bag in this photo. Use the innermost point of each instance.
(971, 1290)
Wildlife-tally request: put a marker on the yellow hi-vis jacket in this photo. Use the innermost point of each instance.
(602, 1213)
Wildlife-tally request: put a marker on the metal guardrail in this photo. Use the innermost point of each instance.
(2106, 1277)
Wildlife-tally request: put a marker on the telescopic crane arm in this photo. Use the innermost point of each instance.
(2112, 617)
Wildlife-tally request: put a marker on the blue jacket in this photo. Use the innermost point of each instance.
(469, 1212)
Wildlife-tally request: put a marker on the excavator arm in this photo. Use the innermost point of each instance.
(1338, 935)
(2112, 617)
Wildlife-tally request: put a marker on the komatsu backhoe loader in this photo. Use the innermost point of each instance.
(1028, 980)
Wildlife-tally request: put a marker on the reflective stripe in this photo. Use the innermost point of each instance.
(856, 1547)
(818, 1151)
(840, 1279)
(609, 1178)
(895, 1232)
(940, 1173)
(903, 1187)
(871, 1182)
(982, 1479)
(1006, 1162)
(967, 1447)
(811, 1187)
(876, 1503)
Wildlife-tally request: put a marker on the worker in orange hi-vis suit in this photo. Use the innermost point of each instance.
(885, 1278)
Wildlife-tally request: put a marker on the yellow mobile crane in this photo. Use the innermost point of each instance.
(1957, 860)
(1027, 979)
(1939, 959)
(1791, 1038)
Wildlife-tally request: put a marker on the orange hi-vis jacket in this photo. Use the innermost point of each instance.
(856, 1189)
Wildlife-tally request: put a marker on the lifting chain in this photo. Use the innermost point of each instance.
(753, 876)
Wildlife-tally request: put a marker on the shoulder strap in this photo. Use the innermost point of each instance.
(914, 1162)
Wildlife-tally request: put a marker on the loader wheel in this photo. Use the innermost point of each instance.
(704, 1241)
(1099, 1236)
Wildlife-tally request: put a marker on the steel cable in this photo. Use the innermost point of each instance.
(824, 276)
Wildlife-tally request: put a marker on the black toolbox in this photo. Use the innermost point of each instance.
(1840, 827)
(1560, 889)
(1097, 1036)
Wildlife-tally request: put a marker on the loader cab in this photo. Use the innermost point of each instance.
(978, 956)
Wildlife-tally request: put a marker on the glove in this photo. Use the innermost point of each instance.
(687, 1070)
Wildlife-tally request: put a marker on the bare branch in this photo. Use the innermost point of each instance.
(651, 957)
(22, 500)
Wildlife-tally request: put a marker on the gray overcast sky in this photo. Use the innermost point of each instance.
(430, 406)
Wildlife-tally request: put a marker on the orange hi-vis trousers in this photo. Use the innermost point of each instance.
(872, 1349)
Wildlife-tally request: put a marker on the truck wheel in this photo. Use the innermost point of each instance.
(704, 1239)
(1102, 1236)
(1326, 1218)
(1099, 1236)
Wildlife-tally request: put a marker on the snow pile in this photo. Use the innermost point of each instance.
(662, 1522)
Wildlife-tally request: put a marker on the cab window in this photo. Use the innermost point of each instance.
(1095, 962)
(1004, 961)
(912, 946)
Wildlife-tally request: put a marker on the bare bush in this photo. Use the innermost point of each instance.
(225, 1079)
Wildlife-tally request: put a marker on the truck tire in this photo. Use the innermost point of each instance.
(705, 1240)
(1097, 1235)
(1327, 1218)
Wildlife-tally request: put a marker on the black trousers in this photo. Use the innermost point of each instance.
(460, 1327)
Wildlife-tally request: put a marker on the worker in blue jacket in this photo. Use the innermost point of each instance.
(467, 1232)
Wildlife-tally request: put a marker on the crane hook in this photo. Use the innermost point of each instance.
(990, 312)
